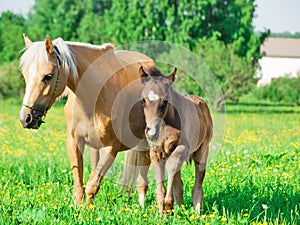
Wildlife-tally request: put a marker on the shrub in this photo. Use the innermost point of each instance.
(11, 81)
(284, 90)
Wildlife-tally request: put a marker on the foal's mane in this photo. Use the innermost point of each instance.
(155, 72)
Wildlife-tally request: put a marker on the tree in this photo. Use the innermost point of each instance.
(70, 19)
(234, 74)
(11, 28)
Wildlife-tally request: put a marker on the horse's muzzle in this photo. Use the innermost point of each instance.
(31, 119)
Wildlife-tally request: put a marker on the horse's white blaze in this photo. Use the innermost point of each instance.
(152, 96)
(30, 84)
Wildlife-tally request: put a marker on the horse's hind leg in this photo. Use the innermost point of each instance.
(107, 157)
(75, 151)
(143, 164)
(200, 158)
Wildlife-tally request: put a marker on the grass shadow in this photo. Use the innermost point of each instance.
(250, 202)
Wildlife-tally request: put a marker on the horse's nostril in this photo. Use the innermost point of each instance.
(28, 118)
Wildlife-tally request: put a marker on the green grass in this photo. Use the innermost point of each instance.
(254, 178)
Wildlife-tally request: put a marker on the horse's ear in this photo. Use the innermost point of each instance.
(143, 74)
(172, 76)
(49, 45)
(27, 41)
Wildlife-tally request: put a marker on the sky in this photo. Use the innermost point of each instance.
(277, 15)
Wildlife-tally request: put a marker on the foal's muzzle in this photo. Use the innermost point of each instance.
(152, 133)
(31, 119)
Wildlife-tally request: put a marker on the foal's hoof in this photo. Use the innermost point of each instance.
(89, 201)
(169, 212)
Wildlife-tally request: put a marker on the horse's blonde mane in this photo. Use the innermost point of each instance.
(91, 46)
(37, 54)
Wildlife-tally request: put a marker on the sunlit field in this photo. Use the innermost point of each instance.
(254, 178)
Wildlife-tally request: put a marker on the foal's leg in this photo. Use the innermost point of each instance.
(200, 158)
(159, 171)
(108, 155)
(177, 188)
(75, 151)
(94, 155)
(174, 163)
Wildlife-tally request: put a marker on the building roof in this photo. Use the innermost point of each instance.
(281, 47)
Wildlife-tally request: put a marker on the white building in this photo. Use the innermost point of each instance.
(281, 57)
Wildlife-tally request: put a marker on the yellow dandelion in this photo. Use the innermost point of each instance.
(98, 219)
(246, 214)
(145, 215)
(192, 217)
(90, 196)
(49, 192)
(91, 206)
(223, 219)
(211, 216)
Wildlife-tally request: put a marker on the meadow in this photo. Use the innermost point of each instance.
(253, 178)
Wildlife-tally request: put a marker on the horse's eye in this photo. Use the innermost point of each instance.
(47, 78)
(164, 103)
(143, 101)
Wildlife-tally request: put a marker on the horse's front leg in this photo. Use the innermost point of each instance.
(75, 151)
(159, 172)
(173, 165)
(107, 157)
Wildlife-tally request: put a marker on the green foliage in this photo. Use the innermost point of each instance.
(68, 19)
(11, 28)
(282, 89)
(285, 34)
(11, 80)
(234, 73)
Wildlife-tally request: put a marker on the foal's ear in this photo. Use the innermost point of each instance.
(143, 74)
(27, 41)
(49, 45)
(172, 76)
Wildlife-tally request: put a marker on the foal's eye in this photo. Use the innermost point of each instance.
(164, 103)
(143, 101)
(47, 78)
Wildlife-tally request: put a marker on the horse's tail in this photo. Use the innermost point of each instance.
(137, 162)
(130, 170)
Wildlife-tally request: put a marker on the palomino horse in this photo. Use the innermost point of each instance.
(95, 76)
(177, 128)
